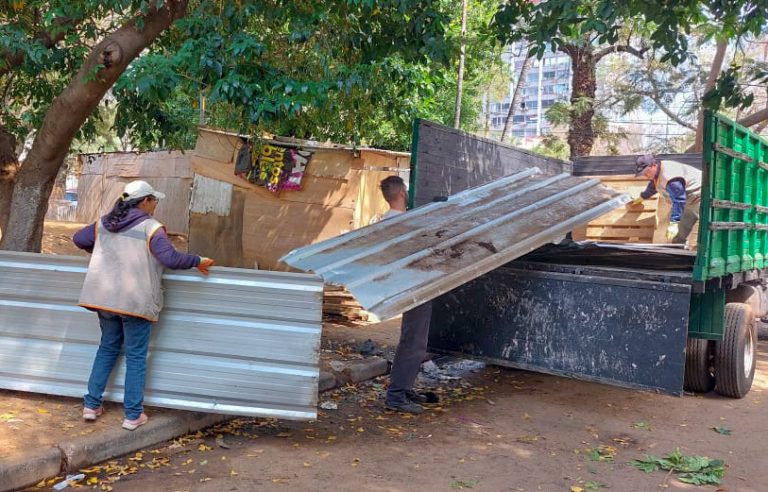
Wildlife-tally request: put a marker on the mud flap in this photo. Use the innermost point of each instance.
(615, 326)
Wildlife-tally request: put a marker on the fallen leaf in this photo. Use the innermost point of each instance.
(576, 488)
(233, 473)
(92, 481)
(722, 430)
(42, 410)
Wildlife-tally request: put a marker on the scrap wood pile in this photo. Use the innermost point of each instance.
(339, 306)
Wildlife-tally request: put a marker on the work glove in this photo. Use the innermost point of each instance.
(635, 202)
(672, 230)
(205, 263)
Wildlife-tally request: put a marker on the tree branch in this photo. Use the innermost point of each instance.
(45, 38)
(754, 118)
(714, 73)
(620, 48)
(99, 71)
(656, 98)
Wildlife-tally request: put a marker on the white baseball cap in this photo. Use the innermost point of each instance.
(140, 189)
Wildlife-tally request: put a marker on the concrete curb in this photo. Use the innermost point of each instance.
(28, 469)
(95, 448)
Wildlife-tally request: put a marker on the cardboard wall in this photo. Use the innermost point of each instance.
(103, 177)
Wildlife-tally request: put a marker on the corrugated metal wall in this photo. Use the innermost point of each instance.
(402, 262)
(620, 165)
(242, 342)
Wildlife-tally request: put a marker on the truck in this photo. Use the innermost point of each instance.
(642, 316)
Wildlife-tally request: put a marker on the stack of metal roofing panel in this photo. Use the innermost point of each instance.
(242, 342)
(412, 258)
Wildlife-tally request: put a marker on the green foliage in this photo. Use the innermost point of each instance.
(696, 470)
(552, 146)
(354, 71)
(348, 71)
(668, 24)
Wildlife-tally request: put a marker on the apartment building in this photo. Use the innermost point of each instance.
(548, 81)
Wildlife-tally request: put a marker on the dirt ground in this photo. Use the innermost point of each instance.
(498, 430)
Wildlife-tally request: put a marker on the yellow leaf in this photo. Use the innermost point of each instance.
(42, 410)
(576, 488)
(331, 438)
(360, 429)
(307, 465)
(233, 473)
(93, 480)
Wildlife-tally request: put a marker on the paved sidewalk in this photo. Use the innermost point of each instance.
(45, 436)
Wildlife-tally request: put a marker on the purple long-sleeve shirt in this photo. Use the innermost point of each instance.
(160, 246)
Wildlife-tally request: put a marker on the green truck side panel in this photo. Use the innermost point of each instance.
(733, 225)
(707, 315)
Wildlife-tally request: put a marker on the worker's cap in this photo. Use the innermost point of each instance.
(642, 162)
(140, 189)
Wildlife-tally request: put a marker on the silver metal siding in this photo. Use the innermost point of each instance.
(243, 342)
(402, 262)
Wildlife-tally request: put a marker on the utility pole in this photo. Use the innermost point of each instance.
(462, 52)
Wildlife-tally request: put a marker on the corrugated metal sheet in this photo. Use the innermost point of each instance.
(405, 261)
(242, 342)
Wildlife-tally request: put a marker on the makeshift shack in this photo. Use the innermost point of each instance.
(244, 221)
(103, 177)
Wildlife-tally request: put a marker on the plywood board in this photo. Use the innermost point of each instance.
(371, 203)
(332, 163)
(220, 236)
(217, 146)
(272, 229)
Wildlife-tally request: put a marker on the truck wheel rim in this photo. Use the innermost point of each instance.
(749, 353)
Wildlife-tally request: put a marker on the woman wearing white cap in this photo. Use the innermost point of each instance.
(130, 250)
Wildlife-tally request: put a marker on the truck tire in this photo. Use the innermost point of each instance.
(698, 366)
(735, 356)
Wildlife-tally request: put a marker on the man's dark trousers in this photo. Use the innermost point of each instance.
(411, 351)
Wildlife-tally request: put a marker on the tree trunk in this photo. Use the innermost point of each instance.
(66, 115)
(581, 136)
(460, 76)
(714, 73)
(9, 165)
(522, 83)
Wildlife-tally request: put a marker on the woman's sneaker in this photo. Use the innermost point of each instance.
(92, 413)
(135, 423)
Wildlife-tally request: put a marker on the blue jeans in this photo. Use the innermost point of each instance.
(116, 330)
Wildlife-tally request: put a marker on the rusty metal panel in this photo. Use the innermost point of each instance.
(619, 326)
(241, 342)
(402, 262)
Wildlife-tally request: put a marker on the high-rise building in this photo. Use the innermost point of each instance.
(548, 81)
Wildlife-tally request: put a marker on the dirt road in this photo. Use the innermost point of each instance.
(502, 430)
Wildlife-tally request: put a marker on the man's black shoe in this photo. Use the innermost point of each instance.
(416, 397)
(405, 406)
